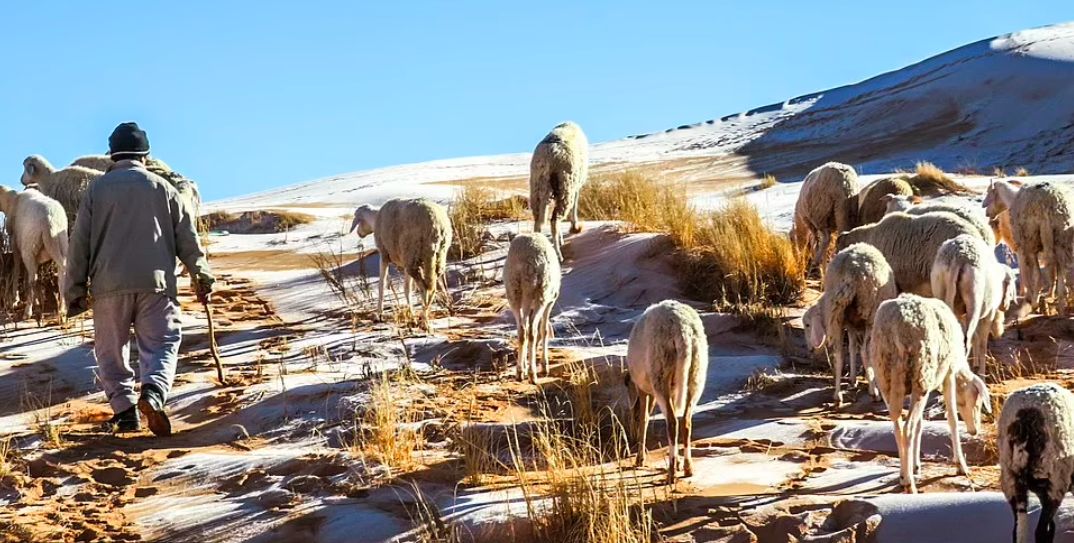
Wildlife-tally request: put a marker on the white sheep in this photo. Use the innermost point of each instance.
(531, 277)
(189, 194)
(825, 207)
(1042, 225)
(100, 163)
(914, 206)
(909, 244)
(858, 279)
(37, 226)
(558, 170)
(414, 235)
(1036, 454)
(917, 343)
(66, 186)
(977, 288)
(667, 360)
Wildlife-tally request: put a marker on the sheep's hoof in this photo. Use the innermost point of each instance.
(688, 469)
(639, 462)
(576, 229)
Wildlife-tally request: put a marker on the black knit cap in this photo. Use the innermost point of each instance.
(128, 139)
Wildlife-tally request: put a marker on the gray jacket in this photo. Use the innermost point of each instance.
(130, 228)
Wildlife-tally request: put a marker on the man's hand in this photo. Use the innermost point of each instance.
(77, 307)
(204, 292)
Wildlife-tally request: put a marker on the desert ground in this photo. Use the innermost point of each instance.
(334, 426)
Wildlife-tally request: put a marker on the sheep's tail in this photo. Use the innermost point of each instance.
(681, 353)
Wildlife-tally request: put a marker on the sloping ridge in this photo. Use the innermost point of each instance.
(1002, 102)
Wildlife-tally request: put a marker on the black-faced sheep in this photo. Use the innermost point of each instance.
(531, 277)
(1042, 226)
(558, 169)
(667, 360)
(37, 226)
(1036, 454)
(916, 347)
(825, 207)
(857, 280)
(414, 235)
(66, 185)
(977, 288)
(973, 216)
(909, 244)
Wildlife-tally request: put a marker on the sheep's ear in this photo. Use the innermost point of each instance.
(29, 168)
(1015, 182)
(983, 397)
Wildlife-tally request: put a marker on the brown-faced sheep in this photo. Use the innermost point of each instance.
(857, 280)
(667, 361)
(916, 347)
(66, 186)
(414, 235)
(531, 277)
(1042, 227)
(916, 206)
(558, 170)
(871, 201)
(977, 288)
(909, 244)
(37, 225)
(825, 207)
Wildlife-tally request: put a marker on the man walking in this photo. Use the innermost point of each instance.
(130, 228)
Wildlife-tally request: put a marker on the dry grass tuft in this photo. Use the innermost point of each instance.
(271, 221)
(929, 180)
(768, 181)
(9, 459)
(350, 289)
(1021, 172)
(386, 431)
(428, 519)
(473, 208)
(728, 256)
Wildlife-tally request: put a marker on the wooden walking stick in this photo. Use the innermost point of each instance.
(212, 343)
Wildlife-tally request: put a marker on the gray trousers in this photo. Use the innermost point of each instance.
(157, 331)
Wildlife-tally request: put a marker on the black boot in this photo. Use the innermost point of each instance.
(124, 422)
(151, 404)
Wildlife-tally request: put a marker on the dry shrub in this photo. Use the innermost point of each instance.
(271, 221)
(768, 181)
(386, 431)
(577, 496)
(350, 289)
(729, 255)
(929, 180)
(1021, 172)
(473, 208)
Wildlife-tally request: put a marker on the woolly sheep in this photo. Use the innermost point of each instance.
(667, 360)
(871, 201)
(1042, 225)
(857, 280)
(189, 194)
(37, 225)
(977, 288)
(66, 186)
(1036, 454)
(917, 343)
(824, 208)
(558, 170)
(412, 234)
(909, 244)
(100, 163)
(975, 217)
(531, 277)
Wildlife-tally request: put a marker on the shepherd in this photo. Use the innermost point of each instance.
(129, 230)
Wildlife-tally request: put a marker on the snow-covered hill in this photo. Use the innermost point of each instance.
(1006, 101)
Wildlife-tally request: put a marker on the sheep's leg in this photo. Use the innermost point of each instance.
(576, 227)
(61, 300)
(980, 347)
(646, 405)
(533, 321)
(408, 285)
(557, 235)
(523, 343)
(821, 256)
(688, 431)
(852, 355)
(520, 329)
(668, 408)
(1045, 532)
(951, 406)
(900, 443)
(31, 292)
(870, 371)
(915, 420)
(1030, 267)
(543, 322)
(540, 210)
(837, 368)
(1020, 507)
(380, 287)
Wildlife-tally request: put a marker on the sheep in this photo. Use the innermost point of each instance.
(824, 208)
(667, 360)
(1042, 227)
(558, 170)
(100, 163)
(977, 219)
(857, 280)
(917, 343)
(66, 186)
(909, 244)
(977, 288)
(871, 201)
(414, 235)
(37, 225)
(1036, 454)
(531, 277)
(189, 194)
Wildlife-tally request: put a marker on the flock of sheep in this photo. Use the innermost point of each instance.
(37, 218)
(915, 288)
(918, 289)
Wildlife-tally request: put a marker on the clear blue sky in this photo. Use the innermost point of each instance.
(244, 96)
